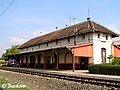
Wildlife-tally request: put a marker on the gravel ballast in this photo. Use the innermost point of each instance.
(35, 82)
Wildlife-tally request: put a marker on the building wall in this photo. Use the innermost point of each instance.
(68, 59)
(42, 54)
(116, 51)
(53, 43)
(28, 59)
(88, 38)
(77, 60)
(62, 42)
(44, 45)
(99, 43)
(50, 54)
(61, 56)
(24, 59)
(90, 60)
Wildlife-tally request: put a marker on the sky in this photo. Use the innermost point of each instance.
(26, 19)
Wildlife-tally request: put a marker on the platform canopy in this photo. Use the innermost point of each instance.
(84, 50)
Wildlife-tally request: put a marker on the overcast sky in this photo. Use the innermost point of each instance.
(26, 19)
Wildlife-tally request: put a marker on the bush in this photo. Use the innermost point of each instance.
(116, 61)
(104, 69)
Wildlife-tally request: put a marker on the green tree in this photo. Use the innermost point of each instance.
(11, 51)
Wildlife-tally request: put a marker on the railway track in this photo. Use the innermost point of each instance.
(103, 81)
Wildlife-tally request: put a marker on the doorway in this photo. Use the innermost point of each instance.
(26, 61)
(32, 60)
(48, 58)
(103, 55)
(84, 63)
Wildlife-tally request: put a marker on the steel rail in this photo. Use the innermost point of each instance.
(96, 80)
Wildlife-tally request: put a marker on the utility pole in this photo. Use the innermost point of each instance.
(74, 20)
(70, 20)
(88, 13)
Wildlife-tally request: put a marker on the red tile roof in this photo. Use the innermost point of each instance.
(84, 27)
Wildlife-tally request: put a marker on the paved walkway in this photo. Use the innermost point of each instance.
(85, 72)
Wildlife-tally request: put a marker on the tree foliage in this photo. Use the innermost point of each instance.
(11, 51)
(114, 60)
(110, 57)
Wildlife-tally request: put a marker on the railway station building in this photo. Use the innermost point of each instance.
(72, 47)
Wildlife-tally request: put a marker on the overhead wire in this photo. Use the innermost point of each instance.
(13, 35)
(3, 3)
(7, 8)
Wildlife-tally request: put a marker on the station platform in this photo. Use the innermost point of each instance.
(84, 72)
(70, 72)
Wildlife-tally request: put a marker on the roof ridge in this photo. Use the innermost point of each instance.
(59, 30)
(91, 25)
(82, 27)
(106, 28)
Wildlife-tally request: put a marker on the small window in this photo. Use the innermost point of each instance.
(56, 42)
(39, 46)
(47, 43)
(98, 35)
(83, 37)
(22, 50)
(68, 39)
(106, 37)
(27, 48)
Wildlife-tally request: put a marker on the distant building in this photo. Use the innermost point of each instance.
(73, 47)
(116, 49)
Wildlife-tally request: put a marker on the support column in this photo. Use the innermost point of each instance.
(35, 62)
(45, 60)
(21, 61)
(73, 62)
(27, 61)
(57, 60)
